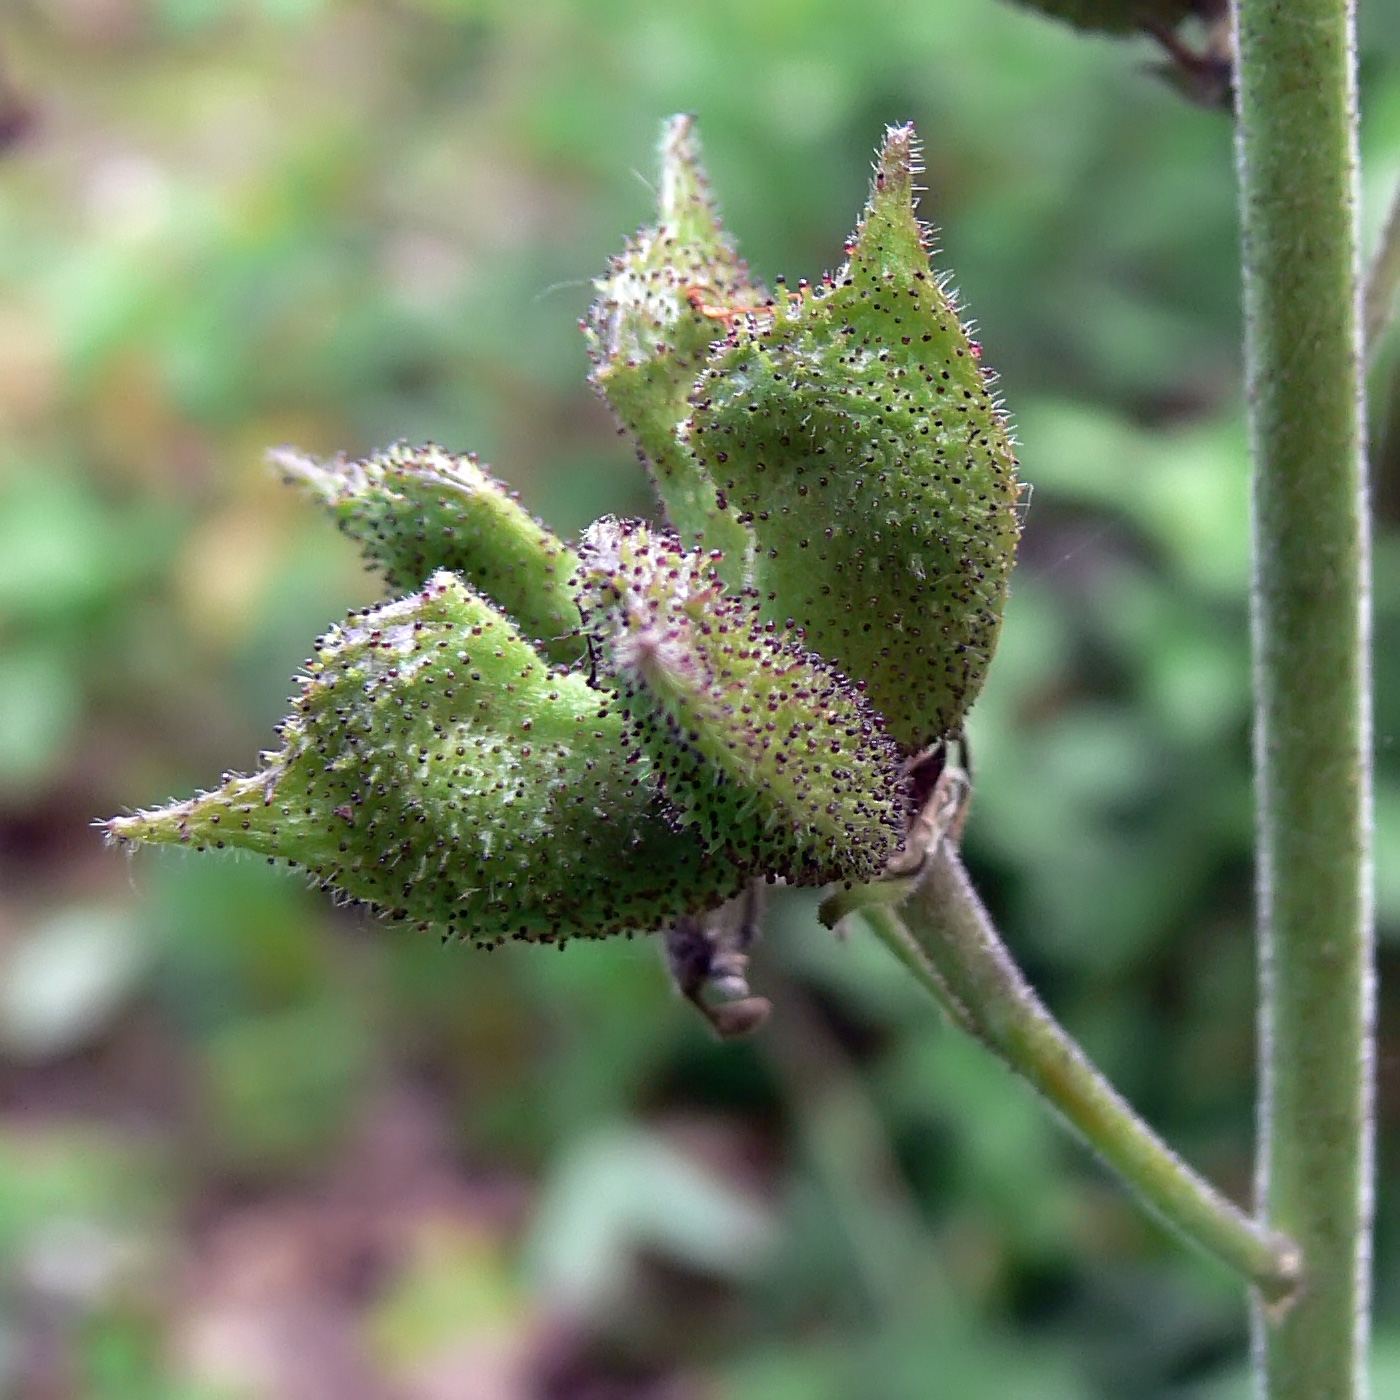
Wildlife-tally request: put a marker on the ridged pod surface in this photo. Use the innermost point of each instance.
(762, 747)
(415, 510)
(854, 431)
(435, 768)
(649, 340)
(1122, 16)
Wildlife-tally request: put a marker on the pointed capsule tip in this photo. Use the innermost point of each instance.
(291, 460)
(900, 158)
(297, 468)
(194, 819)
(159, 827)
(685, 188)
(889, 234)
(678, 135)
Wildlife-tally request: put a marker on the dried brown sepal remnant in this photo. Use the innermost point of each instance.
(854, 430)
(664, 300)
(434, 767)
(708, 959)
(415, 510)
(763, 748)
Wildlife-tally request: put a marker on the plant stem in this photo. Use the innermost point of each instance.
(944, 926)
(1299, 198)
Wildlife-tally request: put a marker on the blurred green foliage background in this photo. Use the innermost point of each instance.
(252, 1146)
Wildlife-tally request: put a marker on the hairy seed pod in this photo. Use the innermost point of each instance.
(765, 749)
(661, 305)
(854, 430)
(435, 768)
(415, 510)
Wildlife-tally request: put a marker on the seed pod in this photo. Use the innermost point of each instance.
(415, 510)
(435, 768)
(766, 750)
(854, 430)
(661, 305)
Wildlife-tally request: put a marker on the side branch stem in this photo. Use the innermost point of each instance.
(943, 934)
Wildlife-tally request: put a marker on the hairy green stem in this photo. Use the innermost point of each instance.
(944, 935)
(1299, 197)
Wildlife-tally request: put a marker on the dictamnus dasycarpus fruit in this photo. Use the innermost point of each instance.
(853, 430)
(537, 740)
(762, 746)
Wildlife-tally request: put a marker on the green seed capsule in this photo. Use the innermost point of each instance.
(658, 310)
(435, 768)
(768, 751)
(415, 510)
(853, 429)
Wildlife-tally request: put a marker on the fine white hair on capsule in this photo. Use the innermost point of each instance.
(652, 651)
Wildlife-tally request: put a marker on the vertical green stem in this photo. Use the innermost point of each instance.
(1299, 196)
